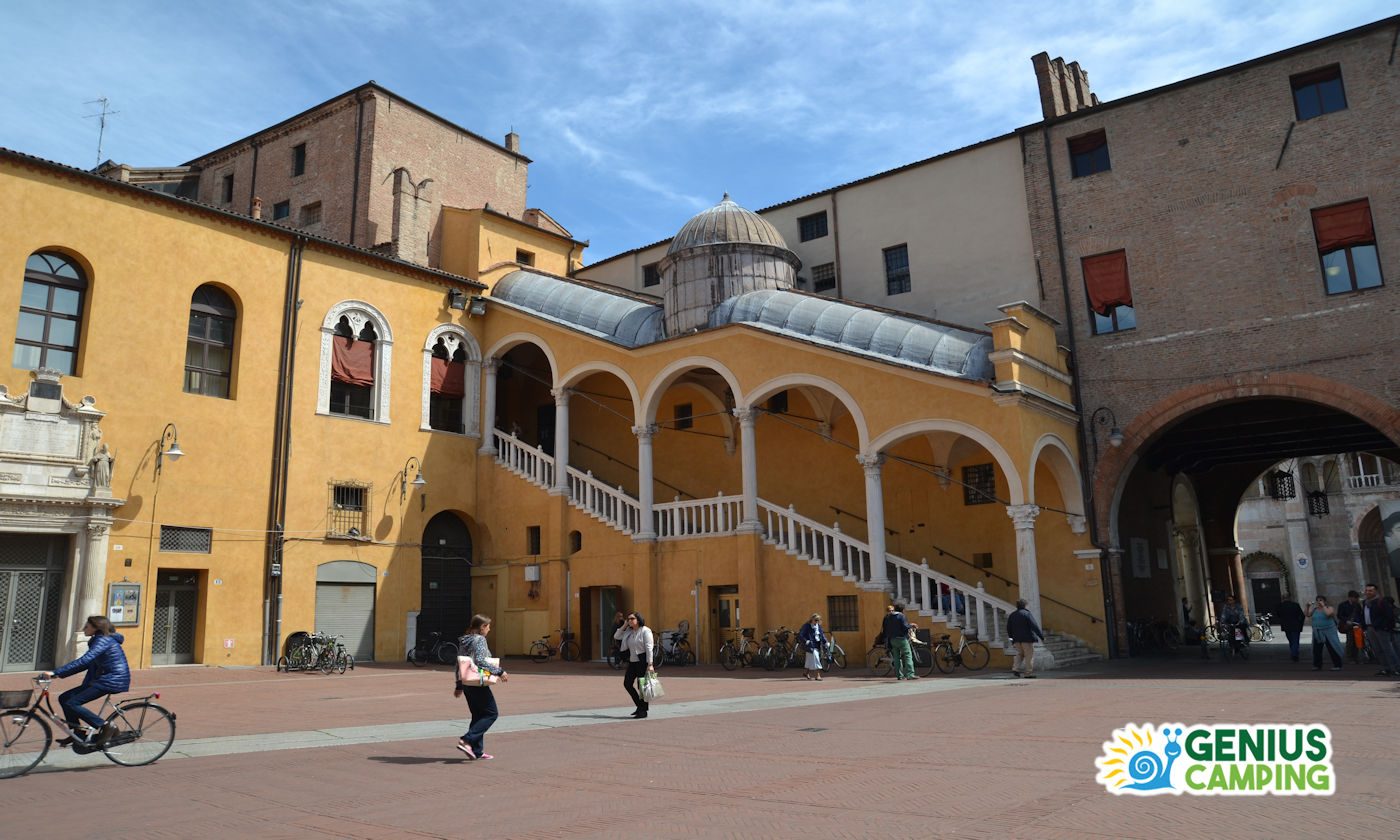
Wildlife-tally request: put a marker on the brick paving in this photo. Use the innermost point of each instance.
(747, 754)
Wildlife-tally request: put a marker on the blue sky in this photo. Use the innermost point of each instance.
(637, 114)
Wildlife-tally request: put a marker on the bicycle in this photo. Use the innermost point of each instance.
(833, 655)
(332, 656)
(145, 731)
(541, 650)
(880, 659)
(1261, 630)
(673, 647)
(738, 651)
(970, 653)
(777, 649)
(433, 648)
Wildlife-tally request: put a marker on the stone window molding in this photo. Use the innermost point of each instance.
(358, 313)
(454, 336)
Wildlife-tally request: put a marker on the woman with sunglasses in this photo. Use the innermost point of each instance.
(637, 645)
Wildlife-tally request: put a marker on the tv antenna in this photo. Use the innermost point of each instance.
(101, 121)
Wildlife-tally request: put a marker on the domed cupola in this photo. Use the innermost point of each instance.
(721, 252)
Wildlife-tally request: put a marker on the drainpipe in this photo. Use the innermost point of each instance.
(281, 446)
(1086, 475)
(836, 245)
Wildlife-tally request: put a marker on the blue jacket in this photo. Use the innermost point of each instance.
(1021, 627)
(105, 663)
(813, 637)
(895, 626)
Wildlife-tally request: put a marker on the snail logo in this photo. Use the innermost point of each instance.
(1131, 763)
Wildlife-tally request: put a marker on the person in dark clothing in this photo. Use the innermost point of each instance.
(107, 673)
(1377, 616)
(1024, 632)
(895, 631)
(1290, 621)
(1348, 617)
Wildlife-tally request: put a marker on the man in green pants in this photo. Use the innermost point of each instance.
(896, 632)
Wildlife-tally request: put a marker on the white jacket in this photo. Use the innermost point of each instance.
(637, 643)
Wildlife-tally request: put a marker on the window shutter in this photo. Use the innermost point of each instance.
(352, 362)
(1343, 225)
(449, 378)
(1106, 281)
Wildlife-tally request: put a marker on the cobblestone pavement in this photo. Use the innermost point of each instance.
(750, 754)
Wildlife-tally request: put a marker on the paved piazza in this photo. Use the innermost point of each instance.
(749, 754)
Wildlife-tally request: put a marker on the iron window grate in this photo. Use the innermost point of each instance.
(186, 540)
(349, 509)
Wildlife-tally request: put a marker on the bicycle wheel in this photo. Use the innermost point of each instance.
(615, 659)
(923, 660)
(943, 658)
(976, 656)
(727, 657)
(687, 656)
(767, 657)
(326, 661)
(24, 741)
(1212, 635)
(445, 653)
(879, 661)
(1256, 634)
(145, 732)
(1171, 638)
(539, 652)
(569, 651)
(284, 664)
(837, 656)
(417, 657)
(342, 662)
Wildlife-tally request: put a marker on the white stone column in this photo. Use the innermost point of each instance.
(1027, 572)
(645, 484)
(561, 441)
(748, 464)
(488, 407)
(92, 591)
(875, 514)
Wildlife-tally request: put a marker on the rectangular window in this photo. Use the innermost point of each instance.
(842, 613)
(1110, 294)
(311, 214)
(532, 538)
(812, 227)
(1088, 153)
(281, 210)
(897, 270)
(1318, 92)
(1346, 244)
(349, 510)
(823, 277)
(524, 257)
(352, 372)
(979, 484)
(299, 159)
(684, 416)
(226, 190)
(982, 560)
(187, 540)
(650, 276)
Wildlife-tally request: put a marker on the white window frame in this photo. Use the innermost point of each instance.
(358, 313)
(454, 336)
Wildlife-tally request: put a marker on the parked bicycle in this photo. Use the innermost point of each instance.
(673, 647)
(777, 649)
(1261, 630)
(740, 651)
(969, 653)
(1146, 635)
(568, 650)
(331, 655)
(835, 655)
(880, 660)
(144, 730)
(433, 647)
(315, 651)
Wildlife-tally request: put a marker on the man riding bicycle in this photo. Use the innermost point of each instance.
(1233, 616)
(107, 673)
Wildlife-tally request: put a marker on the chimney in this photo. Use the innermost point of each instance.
(1064, 89)
(257, 207)
(513, 142)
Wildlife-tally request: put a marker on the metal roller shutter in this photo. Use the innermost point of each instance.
(347, 609)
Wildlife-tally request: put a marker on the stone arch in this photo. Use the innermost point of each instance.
(504, 344)
(668, 375)
(1059, 459)
(581, 372)
(1015, 484)
(805, 381)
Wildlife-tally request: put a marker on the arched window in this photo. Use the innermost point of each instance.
(451, 381)
(209, 345)
(50, 314)
(355, 363)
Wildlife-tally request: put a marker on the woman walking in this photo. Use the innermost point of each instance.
(815, 641)
(1324, 626)
(637, 644)
(480, 700)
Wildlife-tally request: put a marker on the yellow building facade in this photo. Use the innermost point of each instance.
(388, 448)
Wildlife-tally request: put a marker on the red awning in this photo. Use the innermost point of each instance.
(449, 378)
(352, 362)
(1106, 281)
(1344, 225)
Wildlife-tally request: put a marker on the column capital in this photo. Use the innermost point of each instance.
(871, 463)
(491, 365)
(1023, 516)
(746, 416)
(647, 432)
(97, 530)
(1077, 524)
(561, 395)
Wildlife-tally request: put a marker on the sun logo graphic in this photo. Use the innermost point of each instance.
(1131, 762)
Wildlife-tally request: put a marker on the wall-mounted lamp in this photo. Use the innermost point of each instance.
(173, 453)
(417, 466)
(456, 299)
(1104, 416)
(478, 305)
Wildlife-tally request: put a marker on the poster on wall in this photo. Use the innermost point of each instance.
(1142, 558)
(1390, 524)
(124, 603)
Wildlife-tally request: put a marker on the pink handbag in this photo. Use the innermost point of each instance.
(470, 675)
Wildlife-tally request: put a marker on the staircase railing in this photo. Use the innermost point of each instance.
(526, 461)
(611, 505)
(837, 552)
(715, 517)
